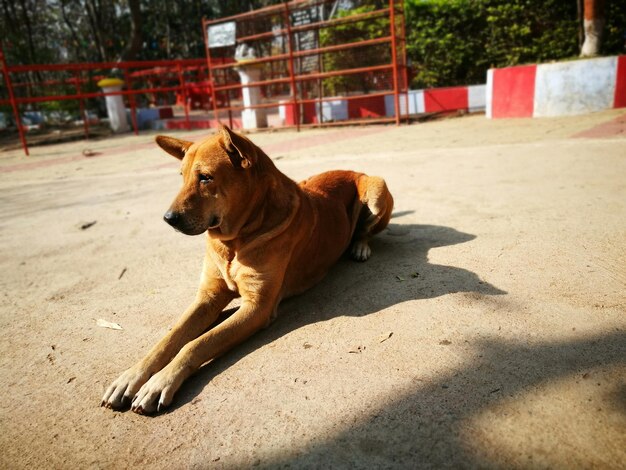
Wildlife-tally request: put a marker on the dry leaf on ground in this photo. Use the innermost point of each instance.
(108, 324)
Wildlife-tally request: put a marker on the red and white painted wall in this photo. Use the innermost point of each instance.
(563, 88)
(435, 100)
(558, 89)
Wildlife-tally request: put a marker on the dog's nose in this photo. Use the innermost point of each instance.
(172, 218)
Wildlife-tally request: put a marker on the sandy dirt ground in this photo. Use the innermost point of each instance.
(488, 330)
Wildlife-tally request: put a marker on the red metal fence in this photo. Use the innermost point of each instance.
(312, 59)
(145, 80)
(310, 55)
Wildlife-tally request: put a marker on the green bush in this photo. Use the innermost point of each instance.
(444, 43)
(455, 42)
(354, 58)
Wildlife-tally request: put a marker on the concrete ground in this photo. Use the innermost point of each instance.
(488, 330)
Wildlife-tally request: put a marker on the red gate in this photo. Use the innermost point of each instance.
(77, 82)
(315, 64)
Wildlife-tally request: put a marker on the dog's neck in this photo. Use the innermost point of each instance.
(274, 207)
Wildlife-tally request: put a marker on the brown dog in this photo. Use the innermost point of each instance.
(268, 239)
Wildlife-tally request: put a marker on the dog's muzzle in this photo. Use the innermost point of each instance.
(190, 226)
(172, 218)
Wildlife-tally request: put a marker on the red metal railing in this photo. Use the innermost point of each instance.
(11, 100)
(154, 77)
(281, 19)
(285, 79)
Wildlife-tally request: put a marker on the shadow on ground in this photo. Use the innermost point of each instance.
(424, 427)
(397, 272)
(428, 427)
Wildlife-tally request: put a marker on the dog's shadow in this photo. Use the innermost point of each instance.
(398, 271)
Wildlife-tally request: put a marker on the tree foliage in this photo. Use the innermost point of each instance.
(449, 41)
(60, 31)
(452, 42)
(354, 58)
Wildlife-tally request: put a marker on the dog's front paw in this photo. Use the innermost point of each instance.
(121, 391)
(157, 393)
(360, 251)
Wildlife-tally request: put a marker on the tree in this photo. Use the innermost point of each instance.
(449, 41)
(134, 46)
(594, 21)
(60, 31)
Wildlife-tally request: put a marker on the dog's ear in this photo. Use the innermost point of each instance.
(173, 146)
(241, 151)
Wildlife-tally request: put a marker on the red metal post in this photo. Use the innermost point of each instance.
(320, 82)
(394, 56)
(230, 111)
(183, 91)
(406, 64)
(208, 61)
(16, 111)
(82, 104)
(131, 99)
(294, 89)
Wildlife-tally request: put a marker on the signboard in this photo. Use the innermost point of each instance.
(306, 40)
(222, 34)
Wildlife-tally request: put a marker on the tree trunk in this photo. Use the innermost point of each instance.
(580, 12)
(29, 30)
(136, 41)
(77, 44)
(93, 15)
(594, 25)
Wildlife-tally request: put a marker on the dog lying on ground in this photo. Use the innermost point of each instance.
(268, 238)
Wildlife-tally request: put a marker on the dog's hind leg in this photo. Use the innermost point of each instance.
(375, 212)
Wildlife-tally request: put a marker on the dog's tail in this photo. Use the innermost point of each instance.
(376, 205)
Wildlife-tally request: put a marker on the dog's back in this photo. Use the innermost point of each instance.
(336, 211)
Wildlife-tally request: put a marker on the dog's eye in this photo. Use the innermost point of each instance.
(205, 178)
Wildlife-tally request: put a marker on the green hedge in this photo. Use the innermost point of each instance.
(454, 42)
